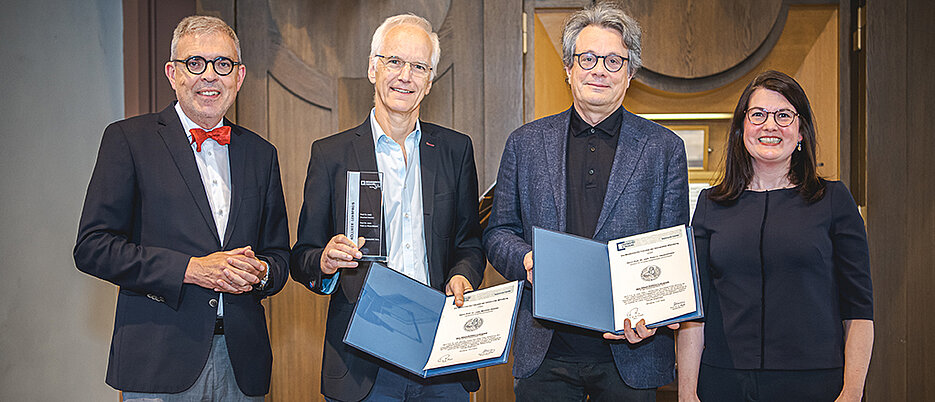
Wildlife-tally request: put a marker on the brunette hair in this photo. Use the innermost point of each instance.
(803, 171)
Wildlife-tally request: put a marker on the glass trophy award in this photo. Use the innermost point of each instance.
(364, 213)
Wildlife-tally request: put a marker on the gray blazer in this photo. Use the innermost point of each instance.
(647, 190)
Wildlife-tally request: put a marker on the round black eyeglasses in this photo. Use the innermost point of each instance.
(612, 62)
(197, 64)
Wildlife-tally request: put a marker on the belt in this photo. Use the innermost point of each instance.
(219, 326)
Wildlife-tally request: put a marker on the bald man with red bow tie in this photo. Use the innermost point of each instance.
(185, 213)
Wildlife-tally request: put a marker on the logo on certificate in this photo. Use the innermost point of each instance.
(624, 244)
(650, 273)
(473, 324)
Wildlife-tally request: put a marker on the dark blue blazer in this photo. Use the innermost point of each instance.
(647, 190)
(452, 237)
(145, 215)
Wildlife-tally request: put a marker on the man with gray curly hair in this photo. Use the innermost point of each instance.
(608, 174)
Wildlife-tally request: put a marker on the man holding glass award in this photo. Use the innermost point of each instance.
(395, 190)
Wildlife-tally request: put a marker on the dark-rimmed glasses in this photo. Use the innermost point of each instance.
(782, 117)
(612, 62)
(395, 65)
(197, 64)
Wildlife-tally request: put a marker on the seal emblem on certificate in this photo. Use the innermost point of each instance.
(473, 324)
(650, 273)
(364, 213)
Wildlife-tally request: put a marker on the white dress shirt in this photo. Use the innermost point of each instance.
(214, 165)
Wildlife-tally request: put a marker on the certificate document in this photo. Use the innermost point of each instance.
(478, 330)
(652, 276)
(597, 285)
(417, 328)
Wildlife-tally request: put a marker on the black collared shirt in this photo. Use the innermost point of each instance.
(588, 160)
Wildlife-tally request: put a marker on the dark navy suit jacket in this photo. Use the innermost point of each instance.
(452, 237)
(145, 215)
(647, 190)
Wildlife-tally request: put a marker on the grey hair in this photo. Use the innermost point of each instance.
(202, 25)
(605, 15)
(379, 36)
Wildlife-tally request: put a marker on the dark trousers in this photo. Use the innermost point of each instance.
(393, 385)
(557, 380)
(722, 384)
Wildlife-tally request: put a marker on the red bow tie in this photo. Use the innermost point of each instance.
(221, 134)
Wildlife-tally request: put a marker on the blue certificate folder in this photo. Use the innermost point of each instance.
(571, 282)
(396, 318)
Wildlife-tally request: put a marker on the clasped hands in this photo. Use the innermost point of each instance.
(340, 252)
(630, 334)
(233, 271)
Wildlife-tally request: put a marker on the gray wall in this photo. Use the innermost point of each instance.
(62, 83)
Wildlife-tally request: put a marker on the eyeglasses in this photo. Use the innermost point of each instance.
(782, 117)
(395, 65)
(612, 62)
(197, 64)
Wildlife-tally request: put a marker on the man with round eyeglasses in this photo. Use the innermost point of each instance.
(185, 213)
(431, 228)
(197, 65)
(596, 171)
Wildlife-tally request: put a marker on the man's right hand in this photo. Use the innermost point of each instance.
(527, 263)
(340, 253)
(209, 271)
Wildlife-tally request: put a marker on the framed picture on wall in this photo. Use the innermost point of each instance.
(696, 144)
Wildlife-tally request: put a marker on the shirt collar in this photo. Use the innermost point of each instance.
(609, 126)
(379, 133)
(188, 124)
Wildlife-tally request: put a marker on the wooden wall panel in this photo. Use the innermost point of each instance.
(355, 99)
(920, 199)
(818, 75)
(700, 39)
(847, 68)
(503, 81)
(503, 108)
(552, 93)
(804, 26)
(252, 18)
(148, 26)
(888, 185)
(461, 42)
(438, 106)
(296, 315)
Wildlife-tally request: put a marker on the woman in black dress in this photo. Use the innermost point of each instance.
(784, 266)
